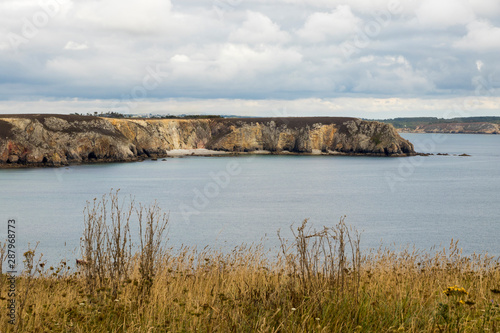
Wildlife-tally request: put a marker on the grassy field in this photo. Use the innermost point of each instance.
(318, 282)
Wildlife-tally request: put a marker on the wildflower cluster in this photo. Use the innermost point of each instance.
(455, 291)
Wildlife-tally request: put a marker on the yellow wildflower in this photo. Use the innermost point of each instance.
(455, 291)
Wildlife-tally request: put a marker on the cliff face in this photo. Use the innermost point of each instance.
(309, 135)
(52, 140)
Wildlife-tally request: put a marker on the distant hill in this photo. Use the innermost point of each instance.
(469, 125)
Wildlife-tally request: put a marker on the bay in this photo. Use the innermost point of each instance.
(223, 202)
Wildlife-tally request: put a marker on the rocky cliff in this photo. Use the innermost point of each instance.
(53, 140)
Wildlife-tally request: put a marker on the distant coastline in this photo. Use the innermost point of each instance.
(468, 125)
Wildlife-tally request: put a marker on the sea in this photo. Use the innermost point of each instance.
(420, 202)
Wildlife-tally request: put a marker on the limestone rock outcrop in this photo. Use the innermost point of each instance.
(54, 140)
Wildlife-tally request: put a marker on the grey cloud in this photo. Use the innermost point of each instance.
(253, 49)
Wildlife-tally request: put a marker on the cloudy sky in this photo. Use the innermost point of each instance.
(365, 58)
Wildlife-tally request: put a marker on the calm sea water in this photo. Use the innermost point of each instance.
(226, 201)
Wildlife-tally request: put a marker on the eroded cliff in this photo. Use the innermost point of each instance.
(53, 140)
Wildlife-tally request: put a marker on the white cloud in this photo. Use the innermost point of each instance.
(228, 62)
(479, 65)
(487, 8)
(257, 29)
(75, 46)
(237, 59)
(444, 13)
(127, 15)
(481, 36)
(180, 58)
(337, 25)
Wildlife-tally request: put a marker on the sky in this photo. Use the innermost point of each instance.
(364, 58)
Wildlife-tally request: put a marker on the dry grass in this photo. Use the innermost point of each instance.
(319, 282)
